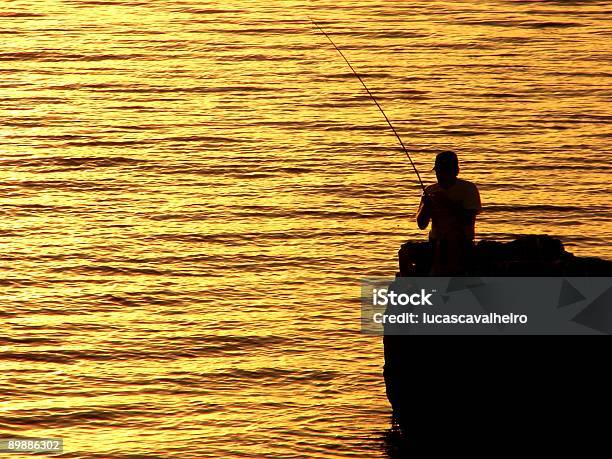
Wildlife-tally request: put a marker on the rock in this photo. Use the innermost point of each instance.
(533, 255)
(466, 393)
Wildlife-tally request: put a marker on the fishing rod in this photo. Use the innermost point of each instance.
(375, 101)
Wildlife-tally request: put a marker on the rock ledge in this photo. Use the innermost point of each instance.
(533, 255)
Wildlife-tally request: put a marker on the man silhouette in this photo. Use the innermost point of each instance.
(451, 205)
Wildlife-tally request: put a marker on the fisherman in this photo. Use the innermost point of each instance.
(451, 205)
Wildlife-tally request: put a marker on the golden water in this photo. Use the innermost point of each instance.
(191, 191)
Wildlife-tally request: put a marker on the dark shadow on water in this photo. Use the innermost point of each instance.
(395, 444)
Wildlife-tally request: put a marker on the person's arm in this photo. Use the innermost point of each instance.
(469, 215)
(424, 212)
(472, 205)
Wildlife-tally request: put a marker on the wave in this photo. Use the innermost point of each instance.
(120, 270)
(232, 238)
(157, 349)
(52, 56)
(74, 161)
(205, 11)
(72, 185)
(60, 417)
(34, 209)
(518, 23)
(535, 207)
(29, 340)
(150, 89)
(20, 14)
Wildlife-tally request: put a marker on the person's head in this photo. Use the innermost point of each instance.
(447, 168)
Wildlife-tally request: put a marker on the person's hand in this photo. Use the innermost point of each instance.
(427, 201)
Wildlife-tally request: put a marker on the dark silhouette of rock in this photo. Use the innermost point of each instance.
(534, 255)
(468, 394)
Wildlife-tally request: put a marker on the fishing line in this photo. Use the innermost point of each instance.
(374, 99)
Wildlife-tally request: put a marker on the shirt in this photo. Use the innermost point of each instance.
(445, 223)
